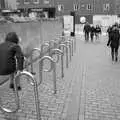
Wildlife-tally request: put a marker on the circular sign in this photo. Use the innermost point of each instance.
(82, 19)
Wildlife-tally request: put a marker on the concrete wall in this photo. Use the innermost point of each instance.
(31, 34)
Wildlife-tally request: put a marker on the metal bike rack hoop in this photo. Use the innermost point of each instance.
(34, 83)
(31, 57)
(65, 46)
(53, 67)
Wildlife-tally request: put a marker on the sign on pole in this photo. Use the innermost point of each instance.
(68, 24)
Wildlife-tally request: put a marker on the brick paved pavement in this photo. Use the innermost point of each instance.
(99, 96)
(89, 90)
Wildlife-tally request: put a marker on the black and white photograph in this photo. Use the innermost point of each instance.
(59, 60)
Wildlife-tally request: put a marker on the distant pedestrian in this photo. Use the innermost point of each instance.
(98, 31)
(11, 59)
(86, 31)
(113, 41)
(109, 30)
(92, 32)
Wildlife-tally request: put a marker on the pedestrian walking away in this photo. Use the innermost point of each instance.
(113, 42)
(11, 59)
(109, 30)
(98, 31)
(92, 32)
(86, 31)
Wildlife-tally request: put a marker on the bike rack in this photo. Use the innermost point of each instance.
(74, 39)
(33, 83)
(43, 46)
(16, 99)
(53, 67)
(59, 52)
(31, 58)
(72, 45)
(54, 43)
(64, 46)
(69, 44)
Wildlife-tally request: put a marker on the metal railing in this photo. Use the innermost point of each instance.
(33, 83)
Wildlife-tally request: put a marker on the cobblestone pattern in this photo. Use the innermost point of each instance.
(51, 106)
(101, 95)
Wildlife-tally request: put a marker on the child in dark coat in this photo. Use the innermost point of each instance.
(11, 59)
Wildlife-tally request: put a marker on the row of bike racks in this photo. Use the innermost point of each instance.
(59, 49)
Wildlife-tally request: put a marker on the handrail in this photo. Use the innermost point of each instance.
(63, 45)
(59, 52)
(34, 83)
(53, 67)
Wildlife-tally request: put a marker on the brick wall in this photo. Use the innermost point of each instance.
(96, 6)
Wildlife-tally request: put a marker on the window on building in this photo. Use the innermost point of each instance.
(46, 1)
(60, 7)
(17, 2)
(89, 7)
(76, 7)
(36, 1)
(26, 1)
(106, 7)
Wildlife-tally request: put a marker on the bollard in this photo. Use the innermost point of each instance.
(65, 46)
(59, 52)
(53, 67)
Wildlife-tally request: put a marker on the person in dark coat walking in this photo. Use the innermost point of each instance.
(109, 30)
(92, 32)
(98, 31)
(86, 30)
(113, 41)
(11, 59)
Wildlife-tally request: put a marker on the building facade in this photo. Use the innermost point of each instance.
(117, 4)
(2, 4)
(81, 7)
(34, 3)
(64, 7)
(10, 4)
(86, 7)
